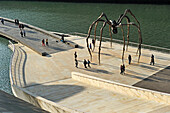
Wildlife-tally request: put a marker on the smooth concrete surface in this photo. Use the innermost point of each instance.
(47, 84)
(11, 104)
(122, 88)
(49, 77)
(42, 102)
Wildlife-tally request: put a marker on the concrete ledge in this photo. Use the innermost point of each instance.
(41, 102)
(122, 88)
(40, 30)
(35, 99)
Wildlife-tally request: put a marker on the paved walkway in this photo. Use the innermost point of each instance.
(50, 76)
(34, 38)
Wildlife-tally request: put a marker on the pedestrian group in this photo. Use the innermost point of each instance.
(85, 62)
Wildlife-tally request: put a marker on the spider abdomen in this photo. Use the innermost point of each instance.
(115, 30)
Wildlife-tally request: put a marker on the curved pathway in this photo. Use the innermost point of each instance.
(50, 77)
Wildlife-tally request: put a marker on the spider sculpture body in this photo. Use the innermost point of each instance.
(113, 26)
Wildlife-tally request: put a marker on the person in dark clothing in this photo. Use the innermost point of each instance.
(93, 42)
(123, 69)
(152, 60)
(62, 38)
(88, 62)
(43, 43)
(46, 42)
(76, 63)
(90, 46)
(2, 21)
(24, 33)
(85, 63)
(19, 26)
(75, 55)
(21, 33)
(130, 59)
(22, 26)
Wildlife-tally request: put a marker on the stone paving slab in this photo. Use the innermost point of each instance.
(86, 98)
(49, 73)
(33, 39)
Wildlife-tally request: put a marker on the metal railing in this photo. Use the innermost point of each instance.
(166, 50)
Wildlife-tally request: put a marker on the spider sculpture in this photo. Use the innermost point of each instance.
(113, 25)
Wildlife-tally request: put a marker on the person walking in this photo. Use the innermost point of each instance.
(130, 59)
(88, 62)
(123, 69)
(24, 33)
(76, 63)
(152, 60)
(21, 33)
(46, 42)
(2, 21)
(93, 42)
(43, 43)
(75, 55)
(85, 63)
(90, 46)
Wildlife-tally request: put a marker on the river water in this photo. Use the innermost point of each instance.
(5, 54)
(77, 17)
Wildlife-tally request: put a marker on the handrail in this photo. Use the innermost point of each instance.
(10, 66)
(130, 43)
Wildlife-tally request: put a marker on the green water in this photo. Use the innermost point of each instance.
(77, 17)
(5, 54)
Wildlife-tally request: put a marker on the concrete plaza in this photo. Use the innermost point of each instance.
(50, 76)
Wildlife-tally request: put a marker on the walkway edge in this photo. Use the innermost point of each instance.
(122, 88)
(33, 98)
(41, 102)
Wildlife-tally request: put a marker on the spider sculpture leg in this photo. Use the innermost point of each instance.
(138, 26)
(110, 35)
(90, 28)
(128, 37)
(128, 28)
(123, 44)
(140, 38)
(140, 42)
(95, 35)
(101, 32)
(89, 32)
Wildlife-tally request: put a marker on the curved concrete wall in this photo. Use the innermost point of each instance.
(41, 102)
(35, 99)
(122, 88)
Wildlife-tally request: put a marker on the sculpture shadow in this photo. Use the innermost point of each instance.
(105, 54)
(33, 39)
(33, 32)
(55, 93)
(145, 66)
(159, 81)
(94, 70)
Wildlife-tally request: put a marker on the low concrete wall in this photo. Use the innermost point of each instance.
(41, 102)
(33, 98)
(122, 88)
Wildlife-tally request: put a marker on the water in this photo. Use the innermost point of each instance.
(4, 65)
(77, 17)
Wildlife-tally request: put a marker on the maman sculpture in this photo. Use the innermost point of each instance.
(113, 26)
